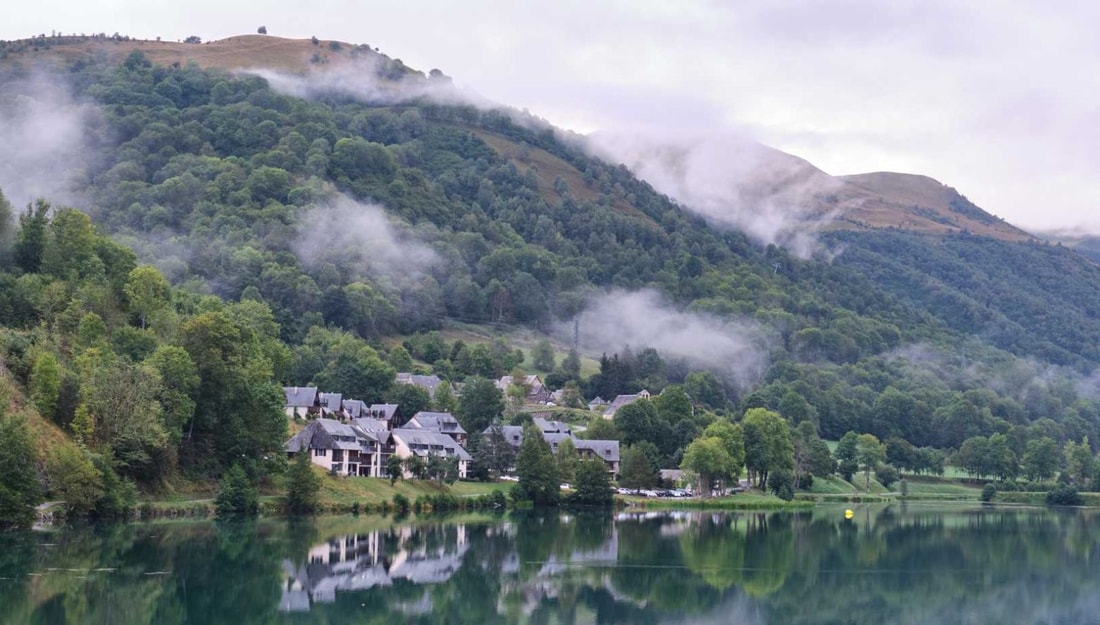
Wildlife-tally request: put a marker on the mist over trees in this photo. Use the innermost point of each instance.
(233, 239)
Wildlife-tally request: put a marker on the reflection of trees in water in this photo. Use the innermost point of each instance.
(146, 574)
(920, 567)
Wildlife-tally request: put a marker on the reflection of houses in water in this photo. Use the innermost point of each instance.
(547, 583)
(362, 561)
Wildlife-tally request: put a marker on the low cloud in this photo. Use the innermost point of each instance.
(735, 350)
(46, 139)
(373, 79)
(360, 237)
(730, 180)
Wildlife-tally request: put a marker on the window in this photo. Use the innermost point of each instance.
(320, 452)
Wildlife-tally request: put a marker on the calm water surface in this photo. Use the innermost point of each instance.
(889, 564)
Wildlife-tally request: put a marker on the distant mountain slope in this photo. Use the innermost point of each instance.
(921, 204)
(240, 52)
(1081, 242)
(774, 196)
(1026, 298)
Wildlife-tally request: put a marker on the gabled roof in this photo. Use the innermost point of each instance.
(383, 411)
(355, 408)
(371, 425)
(436, 421)
(554, 438)
(331, 426)
(606, 450)
(300, 396)
(331, 402)
(532, 381)
(323, 433)
(512, 433)
(623, 400)
(427, 382)
(546, 426)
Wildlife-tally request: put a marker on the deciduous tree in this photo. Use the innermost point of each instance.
(635, 471)
(303, 485)
(870, 452)
(19, 490)
(537, 470)
(480, 404)
(767, 444)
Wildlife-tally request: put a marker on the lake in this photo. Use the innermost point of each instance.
(897, 563)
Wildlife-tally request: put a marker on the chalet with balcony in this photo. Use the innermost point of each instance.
(343, 449)
(424, 443)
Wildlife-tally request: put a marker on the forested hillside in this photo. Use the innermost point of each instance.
(229, 237)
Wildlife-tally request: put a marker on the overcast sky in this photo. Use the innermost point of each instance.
(997, 99)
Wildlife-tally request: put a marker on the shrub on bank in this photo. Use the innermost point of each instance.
(1064, 496)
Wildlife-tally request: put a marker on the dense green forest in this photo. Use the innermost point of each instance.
(228, 239)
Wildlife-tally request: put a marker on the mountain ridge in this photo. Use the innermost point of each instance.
(874, 200)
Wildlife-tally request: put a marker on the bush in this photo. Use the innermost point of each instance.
(989, 492)
(118, 496)
(443, 502)
(236, 494)
(806, 482)
(74, 478)
(781, 484)
(1064, 496)
(401, 503)
(886, 475)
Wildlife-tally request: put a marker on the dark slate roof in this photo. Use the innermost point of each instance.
(355, 408)
(547, 427)
(427, 382)
(371, 425)
(606, 450)
(331, 401)
(385, 411)
(331, 426)
(623, 400)
(555, 438)
(428, 437)
(322, 433)
(299, 441)
(300, 396)
(512, 433)
(437, 422)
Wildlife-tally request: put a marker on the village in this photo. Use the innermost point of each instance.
(349, 437)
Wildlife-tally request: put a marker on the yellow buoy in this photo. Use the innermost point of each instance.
(849, 514)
